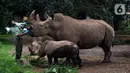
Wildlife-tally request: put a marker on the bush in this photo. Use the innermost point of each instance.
(121, 42)
(60, 69)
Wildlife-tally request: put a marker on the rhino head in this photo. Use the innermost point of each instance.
(42, 28)
(35, 45)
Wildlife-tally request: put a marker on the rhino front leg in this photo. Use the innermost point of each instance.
(55, 60)
(49, 60)
(73, 59)
(30, 50)
(107, 54)
(67, 61)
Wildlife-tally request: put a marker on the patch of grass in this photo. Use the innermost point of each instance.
(40, 63)
(7, 64)
(60, 69)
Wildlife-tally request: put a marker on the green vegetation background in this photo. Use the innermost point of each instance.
(97, 9)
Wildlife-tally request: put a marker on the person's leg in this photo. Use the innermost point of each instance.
(18, 47)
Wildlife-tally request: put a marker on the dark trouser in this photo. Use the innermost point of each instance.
(18, 47)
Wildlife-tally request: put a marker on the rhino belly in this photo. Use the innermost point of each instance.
(61, 54)
(64, 51)
(91, 42)
(87, 45)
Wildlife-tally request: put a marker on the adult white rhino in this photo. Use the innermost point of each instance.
(85, 33)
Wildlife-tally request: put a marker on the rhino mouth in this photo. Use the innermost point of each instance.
(34, 35)
(31, 34)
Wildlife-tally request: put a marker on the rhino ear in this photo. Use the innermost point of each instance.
(58, 17)
(47, 41)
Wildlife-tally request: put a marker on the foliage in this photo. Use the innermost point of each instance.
(124, 25)
(124, 28)
(40, 62)
(118, 42)
(60, 69)
(121, 42)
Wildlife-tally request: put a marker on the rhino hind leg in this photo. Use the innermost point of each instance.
(107, 52)
(79, 60)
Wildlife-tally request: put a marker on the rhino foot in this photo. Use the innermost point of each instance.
(106, 61)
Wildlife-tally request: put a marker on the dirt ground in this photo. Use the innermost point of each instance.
(92, 60)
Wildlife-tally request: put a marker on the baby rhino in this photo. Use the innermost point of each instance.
(60, 49)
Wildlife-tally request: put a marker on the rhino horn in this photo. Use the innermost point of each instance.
(43, 22)
(38, 18)
(46, 15)
(32, 19)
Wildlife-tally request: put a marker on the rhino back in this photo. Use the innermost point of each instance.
(86, 33)
(66, 51)
(61, 48)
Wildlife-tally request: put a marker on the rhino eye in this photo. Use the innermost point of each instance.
(30, 27)
(45, 27)
(41, 25)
